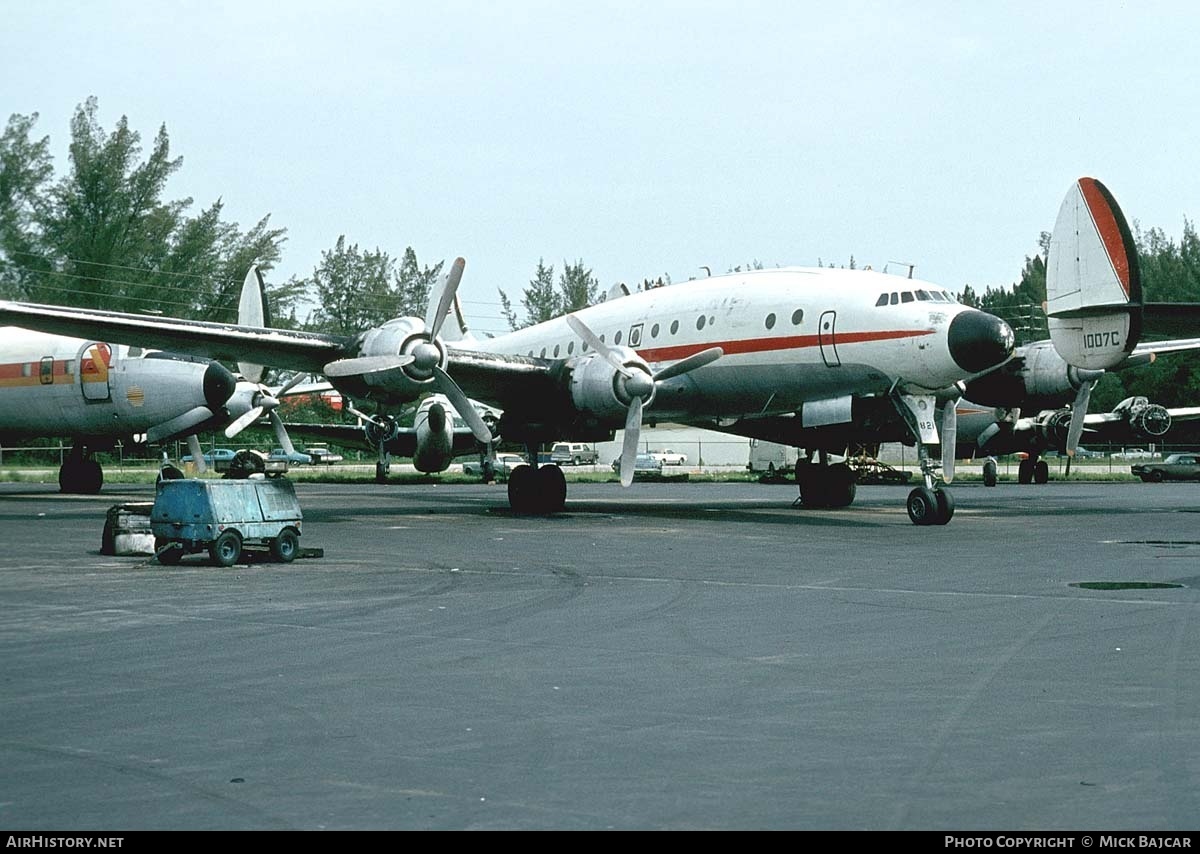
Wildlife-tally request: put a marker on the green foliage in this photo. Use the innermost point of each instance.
(102, 235)
(543, 300)
(357, 289)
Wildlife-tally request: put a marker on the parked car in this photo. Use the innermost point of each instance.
(505, 463)
(572, 454)
(216, 455)
(294, 458)
(1174, 467)
(320, 454)
(644, 464)
(669, 457)
(1135, 454)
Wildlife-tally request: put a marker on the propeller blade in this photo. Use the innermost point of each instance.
(281, 433)
(1078, 414)
(443, 308)
(691, 363)
(365, 365)
(193, 443)
(243, 421)
(290, 384)
(460, 401)
(590, 338)
(633, 428)
(949, 435)
(179, 424)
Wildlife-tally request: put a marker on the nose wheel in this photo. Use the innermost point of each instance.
(930, 506)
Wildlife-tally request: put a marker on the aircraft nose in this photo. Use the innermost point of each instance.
(978, 340)
(219, 385)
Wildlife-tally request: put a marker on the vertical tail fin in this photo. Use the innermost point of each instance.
(252, 311)
(1093, 288)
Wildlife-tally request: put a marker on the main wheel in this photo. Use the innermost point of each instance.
(990, 474)
(286, 546)
(814, 487)
(1025, 472)
(840, 487)
(922, 506)
(226, 549)
(522, 489)
(1041, 472)
(551, 489)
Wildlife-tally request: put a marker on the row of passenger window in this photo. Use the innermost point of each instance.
(635, 333)
(894, 298)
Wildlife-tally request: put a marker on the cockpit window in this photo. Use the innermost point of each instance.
(924, 296)
(906, 296)
(883, 298)
(895, 299)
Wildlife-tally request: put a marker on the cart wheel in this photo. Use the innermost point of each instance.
(285, 546)
(226, 549)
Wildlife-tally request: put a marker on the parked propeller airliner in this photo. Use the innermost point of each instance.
(826, 353)
(98, 394)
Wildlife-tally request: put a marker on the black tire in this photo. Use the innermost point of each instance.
(922, 506)
(840, 486)
(522, 489)
(945, 506)
(381, 473)
(551, 487)
(1025, 472)
(1041, 472)
(286, 546)
(169, 552)
(577, 462)
(814, 488)
(226, 549)
(1156, 476)
(990, 474)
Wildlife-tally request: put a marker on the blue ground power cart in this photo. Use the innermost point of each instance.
(193, 515)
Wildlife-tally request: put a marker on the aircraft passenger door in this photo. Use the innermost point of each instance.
(95, 360)
(825, 336)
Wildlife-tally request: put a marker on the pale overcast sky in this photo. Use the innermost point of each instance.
(642, 137)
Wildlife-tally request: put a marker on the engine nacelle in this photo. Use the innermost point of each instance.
(1041, 378)
(435, 439)
(1145, 419)
(398, 337)
(598, 390)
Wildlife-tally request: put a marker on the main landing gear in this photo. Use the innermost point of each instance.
(80, 474)
(824, 485)
(1033, 469)
(537, 490)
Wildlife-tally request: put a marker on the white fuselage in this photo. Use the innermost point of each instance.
(788, 336)
(52, 385)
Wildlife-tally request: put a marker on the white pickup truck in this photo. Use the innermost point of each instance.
(669, 457)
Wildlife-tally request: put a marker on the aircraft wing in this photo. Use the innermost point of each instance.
(305, 351)
(1166, 318)
(1176, 345)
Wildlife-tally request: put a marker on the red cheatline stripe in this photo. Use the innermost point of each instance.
(1110, 232)
(763, 345)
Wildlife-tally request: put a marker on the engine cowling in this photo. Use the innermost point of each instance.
(1040, 378)
(402, 336)
(600, 392)
(1145, 419)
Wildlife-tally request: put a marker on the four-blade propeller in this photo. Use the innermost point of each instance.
(636, 386)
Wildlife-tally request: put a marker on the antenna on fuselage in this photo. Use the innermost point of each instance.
(910, 267)
(706, 270)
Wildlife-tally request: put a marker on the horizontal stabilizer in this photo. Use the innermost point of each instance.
(1176, 319)
(1093, 289)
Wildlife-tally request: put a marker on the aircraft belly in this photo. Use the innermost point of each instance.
(737, 390)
